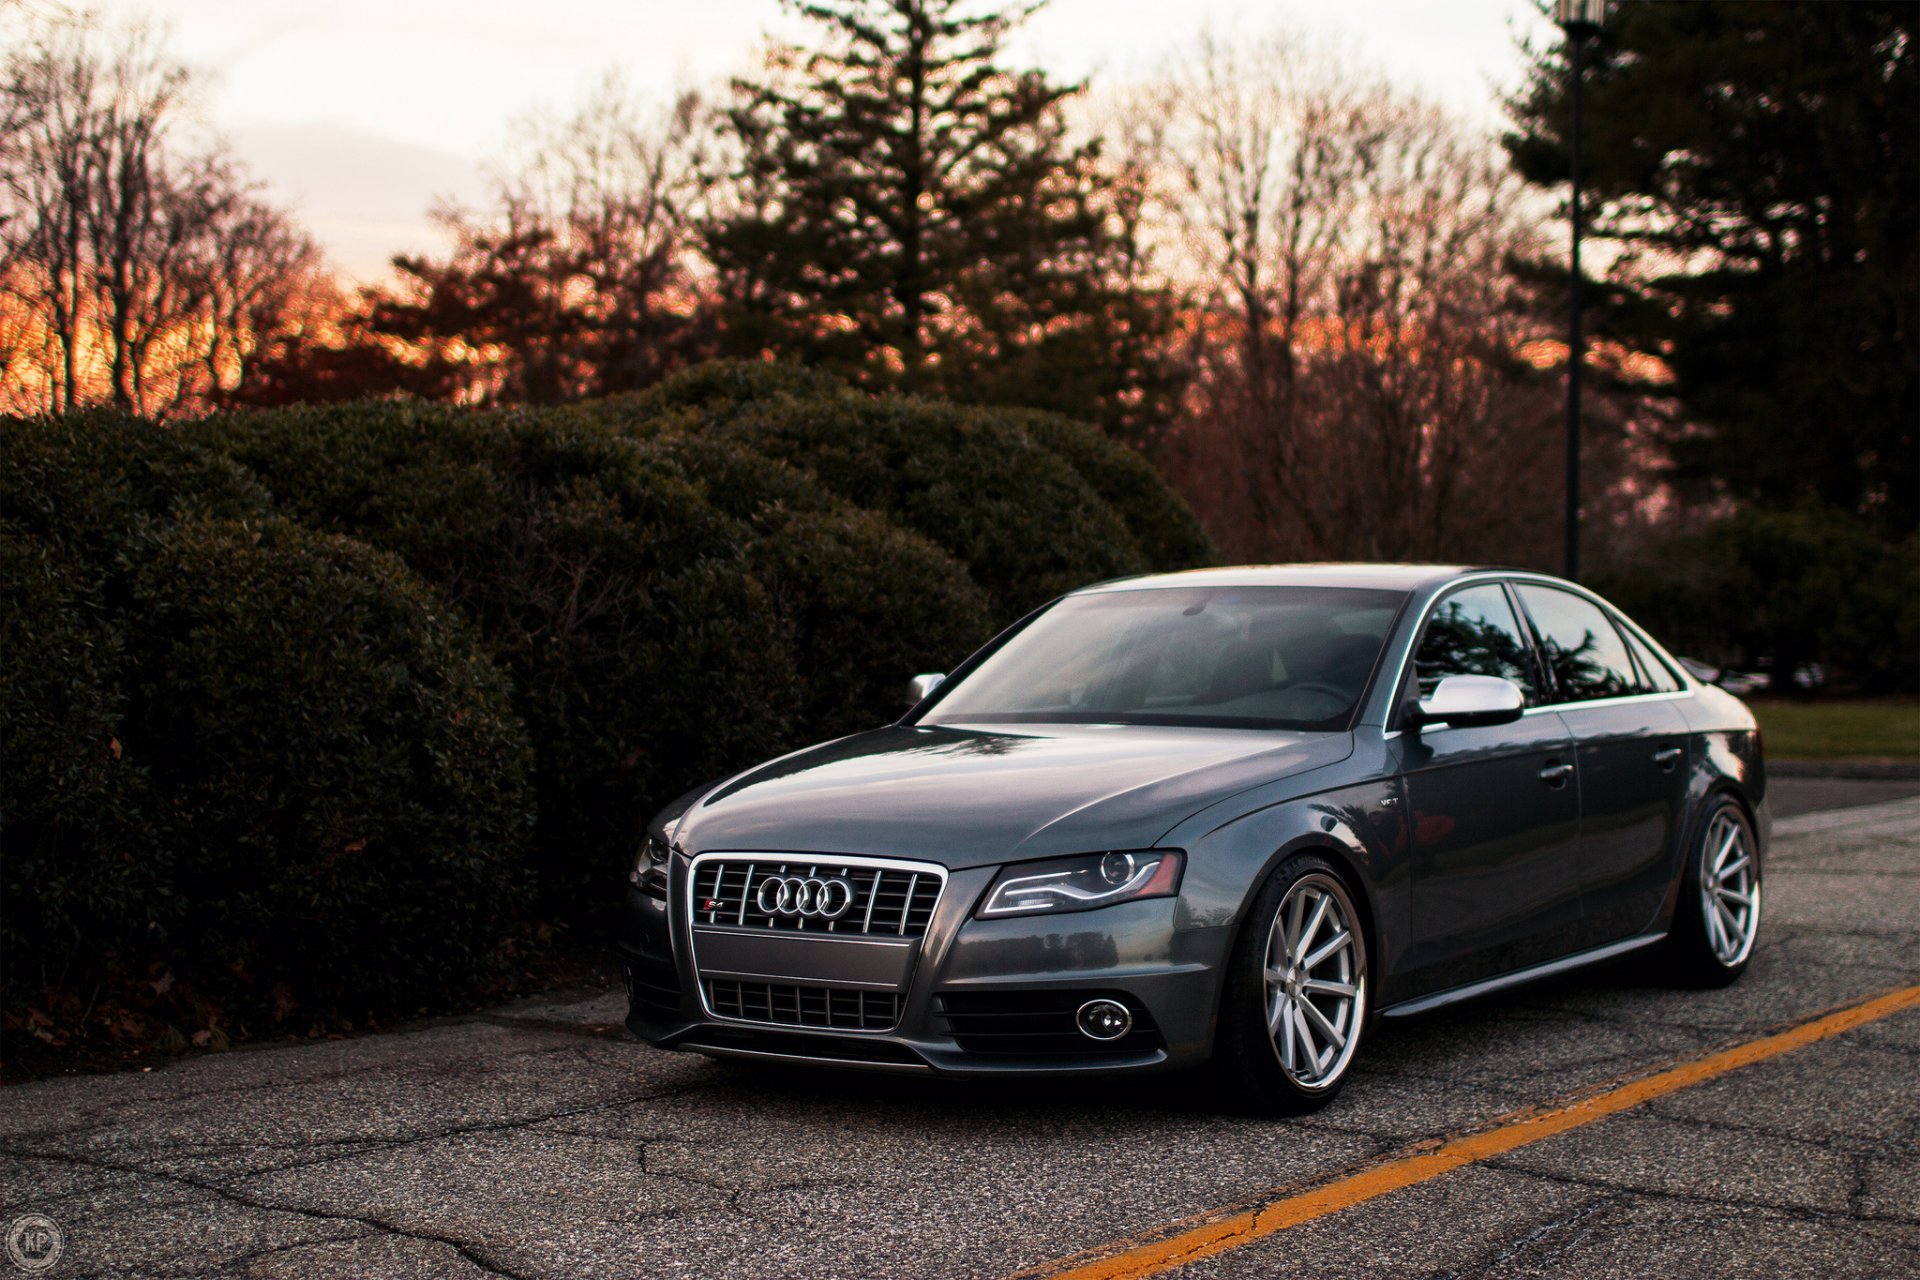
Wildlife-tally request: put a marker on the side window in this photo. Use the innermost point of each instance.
(1585, 653)
(1473, 633)
(1659, 677)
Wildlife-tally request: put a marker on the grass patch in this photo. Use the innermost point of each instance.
(1855, 729)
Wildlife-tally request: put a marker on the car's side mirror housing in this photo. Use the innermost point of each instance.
(1464, 701)
(921, 685)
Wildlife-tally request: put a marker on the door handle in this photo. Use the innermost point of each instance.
(1667, 757)
(1556, 774)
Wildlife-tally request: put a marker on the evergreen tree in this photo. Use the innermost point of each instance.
(1759, 163)
(912, 214)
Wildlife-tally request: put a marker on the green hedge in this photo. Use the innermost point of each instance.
(1022, 520)
(79, 865)
(92, 480)
(1164, 528)
(335, 766)
(864, 604)
(85, 867)
(1027, 501)
(248, 767)
(643, 652)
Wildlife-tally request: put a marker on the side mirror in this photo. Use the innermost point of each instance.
(921, 685)
(1472, 700)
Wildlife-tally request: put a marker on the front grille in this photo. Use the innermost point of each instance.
(888, 901)
(827, 1008)
(1037, 1022)
(653, 986)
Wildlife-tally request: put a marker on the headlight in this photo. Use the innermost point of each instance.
(1083, 883)
(649, 874)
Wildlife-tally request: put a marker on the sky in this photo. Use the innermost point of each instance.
(363, 114)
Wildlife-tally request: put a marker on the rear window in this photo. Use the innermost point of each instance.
(1659, 677)
(1584, 651)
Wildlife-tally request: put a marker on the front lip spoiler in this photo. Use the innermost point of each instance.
(804, 1059)
(938, 1059)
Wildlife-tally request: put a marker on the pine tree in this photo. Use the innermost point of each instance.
(913, 215)
(1759, 164)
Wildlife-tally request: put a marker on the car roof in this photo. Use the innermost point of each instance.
(1384, 577)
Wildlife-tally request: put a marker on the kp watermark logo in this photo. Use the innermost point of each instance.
(34, 1242)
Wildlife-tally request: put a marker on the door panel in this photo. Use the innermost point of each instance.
(1632, 743)
(1633, 784)
(1495, 885)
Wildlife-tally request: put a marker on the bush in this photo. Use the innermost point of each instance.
(84, 865)
(1789, 587)
(336, 769)
(864, 604)
(1163, 526)
(717, 393)
(972, 481)
(91, 479)
(72, 814)
(718, 389)
(249, 769)
(644, 654)
(1025, 524)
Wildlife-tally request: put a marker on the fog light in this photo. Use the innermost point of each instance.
(1103, 1020)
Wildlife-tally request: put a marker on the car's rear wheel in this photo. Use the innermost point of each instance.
(1718, 917)
(1294, 1004)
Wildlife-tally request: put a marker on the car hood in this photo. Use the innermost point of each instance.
(981, 795)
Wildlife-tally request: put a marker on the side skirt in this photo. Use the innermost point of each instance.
(1517, 977)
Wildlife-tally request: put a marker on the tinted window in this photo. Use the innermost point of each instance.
(1656, 673)
(1474, 633)
(1585, 653)
(1279, 657)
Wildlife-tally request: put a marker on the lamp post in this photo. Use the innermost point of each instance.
(1580, 20)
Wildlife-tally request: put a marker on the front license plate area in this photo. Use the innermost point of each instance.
(802, 959)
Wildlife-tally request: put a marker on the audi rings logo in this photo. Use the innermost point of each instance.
(807, 896)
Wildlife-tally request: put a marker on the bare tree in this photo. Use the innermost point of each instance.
(1363, 389)
(136, 268)
(577, 279)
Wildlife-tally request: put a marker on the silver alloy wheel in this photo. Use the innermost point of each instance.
(1315, 982)
(1729, 889)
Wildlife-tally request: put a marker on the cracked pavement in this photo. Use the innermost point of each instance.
(531, 1142)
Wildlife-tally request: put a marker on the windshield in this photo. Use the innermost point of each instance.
(1241, 657)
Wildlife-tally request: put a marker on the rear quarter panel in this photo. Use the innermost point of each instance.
(1726, 755)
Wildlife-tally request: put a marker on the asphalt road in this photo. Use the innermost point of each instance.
(540, 1143)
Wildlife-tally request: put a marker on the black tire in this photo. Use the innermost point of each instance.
(1700, 953)
(1248, 1062)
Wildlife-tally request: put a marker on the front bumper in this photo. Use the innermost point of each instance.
(983, 998)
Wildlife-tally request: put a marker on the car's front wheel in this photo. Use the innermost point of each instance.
(1294, 1003)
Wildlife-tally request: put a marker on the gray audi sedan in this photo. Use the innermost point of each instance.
(1224, 818)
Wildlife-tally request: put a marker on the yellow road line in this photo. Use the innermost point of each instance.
(1228, 1229)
